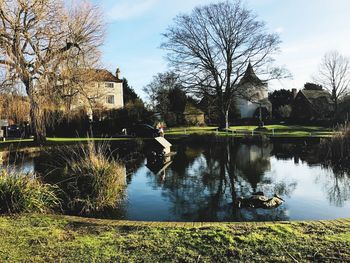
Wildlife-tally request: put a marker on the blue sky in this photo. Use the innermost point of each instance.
(308, 29)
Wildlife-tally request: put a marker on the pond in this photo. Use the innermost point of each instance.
(203, 180)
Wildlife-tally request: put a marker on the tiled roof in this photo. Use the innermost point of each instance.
(250, 77)
(105, 75)
(313, 95)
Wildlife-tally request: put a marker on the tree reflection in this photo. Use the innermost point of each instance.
(203, 182)
(338, 187)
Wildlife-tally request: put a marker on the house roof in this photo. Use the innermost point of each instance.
(105, 75)
(163, 142)
(250, 77)
(101, 75)
(320, 100)
(314, 95)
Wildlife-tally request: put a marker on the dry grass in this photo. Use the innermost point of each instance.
(94, 179)
(337, 149)
(25, 193)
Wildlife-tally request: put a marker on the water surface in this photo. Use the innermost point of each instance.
(203, 180)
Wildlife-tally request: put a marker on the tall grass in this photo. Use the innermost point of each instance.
(337, 149)
(94, 179)
(26, 193)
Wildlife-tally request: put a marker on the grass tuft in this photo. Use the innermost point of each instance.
(95, 180)
(338, 148)
(25, 193)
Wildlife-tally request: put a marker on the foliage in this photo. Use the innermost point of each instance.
(166, 96)
(106, 123)
(129, 94)
(209, 105)
(312, 86)
(337, 150)
(14, 107)
(94, 180)
(265, 114)
(280, 98)
(177, 99)
(61, 124)
(25, 193)
(44, 44)
(284, 111)
(343, 113)
(72, 239)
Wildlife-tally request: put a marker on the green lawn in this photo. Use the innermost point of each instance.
(238, 131)
(37, 238)
(273, 130)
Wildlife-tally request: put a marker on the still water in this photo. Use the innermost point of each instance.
(202, 181)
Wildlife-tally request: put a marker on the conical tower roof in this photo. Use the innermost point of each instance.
(250, 77)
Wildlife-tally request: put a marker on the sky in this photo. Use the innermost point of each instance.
(308, 29)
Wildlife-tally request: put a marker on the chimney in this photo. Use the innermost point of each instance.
(117, 73)
(294, 92)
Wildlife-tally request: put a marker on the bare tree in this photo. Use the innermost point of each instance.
(334, 75)
(211, 47)
(39, 39)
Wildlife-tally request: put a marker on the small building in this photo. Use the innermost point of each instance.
(344, 109)
(193, 115)
(253, 94)
(312, 105)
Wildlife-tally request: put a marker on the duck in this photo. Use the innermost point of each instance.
(259, 200)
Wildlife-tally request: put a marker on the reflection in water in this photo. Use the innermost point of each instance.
(203, 180)
(337, 187)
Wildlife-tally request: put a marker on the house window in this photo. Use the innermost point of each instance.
(109, 85)
(110, 99)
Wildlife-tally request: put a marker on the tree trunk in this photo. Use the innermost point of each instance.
(226, 120)
(36, 116)
(223, 120)
(335, 107)
(37, 122)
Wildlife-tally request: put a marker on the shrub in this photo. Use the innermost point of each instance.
(95, 180)
(284, 111)
(26, 193)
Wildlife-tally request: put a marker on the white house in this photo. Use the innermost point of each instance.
(105, 91)
(253, 94)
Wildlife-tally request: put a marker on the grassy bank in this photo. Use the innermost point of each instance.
(272, 130)
(285, 131)
(34, 238)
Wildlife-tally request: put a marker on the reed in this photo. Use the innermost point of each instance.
(94, 179)
(337, 149)
(26, 193)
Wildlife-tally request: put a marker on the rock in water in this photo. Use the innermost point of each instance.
(259, 200)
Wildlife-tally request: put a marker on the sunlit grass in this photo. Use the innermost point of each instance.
(37, 238)
(272, 130)
(277, 130)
